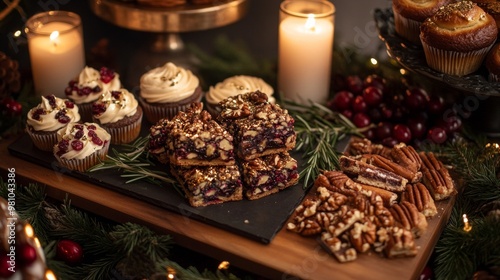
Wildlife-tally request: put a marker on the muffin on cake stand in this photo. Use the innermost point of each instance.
(165, 26)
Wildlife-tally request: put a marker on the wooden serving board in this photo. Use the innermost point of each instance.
(257, 219)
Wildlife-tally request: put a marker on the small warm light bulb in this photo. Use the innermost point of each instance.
(467, 226)
(223, 265)
(373, 61)
(403, 71)
(171, 273)
(29, 230)
(49, 275)
(54, 36)
(310, 23)
(17, 33)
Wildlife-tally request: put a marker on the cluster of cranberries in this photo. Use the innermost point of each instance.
(9, 107)
(394, 115)
(60, 115)
(107, 75)
(77, 143)
(25, 255)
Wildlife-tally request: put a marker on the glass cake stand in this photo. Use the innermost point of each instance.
(165, 24)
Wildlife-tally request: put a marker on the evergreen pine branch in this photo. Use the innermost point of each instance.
(132, 160)
(318, 132)
(191, 273)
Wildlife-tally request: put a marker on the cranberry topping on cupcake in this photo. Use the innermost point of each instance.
(90, 83)
(52, 114)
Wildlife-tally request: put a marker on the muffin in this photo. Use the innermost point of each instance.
(119, 113)
(409, 14)
(492, 8)
(81, 146)
(234, 86)
(89, 85)
(457, 38)
(166, 90)
(493, 63)
(44, 120)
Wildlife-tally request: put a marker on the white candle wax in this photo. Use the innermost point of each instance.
(305, 54)
(55, 60)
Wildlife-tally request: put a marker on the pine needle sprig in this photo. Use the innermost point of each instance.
(318, 130)
(133, 161)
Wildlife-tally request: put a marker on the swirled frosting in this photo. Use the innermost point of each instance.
(77, 141)
(90, 84)
(113, 106)
(168, 83)
(238, 85)
(52, 114)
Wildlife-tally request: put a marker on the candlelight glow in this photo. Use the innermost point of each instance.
(37, 243)
(467, 226)
(53, 37)
(170, 273)
(310, 23)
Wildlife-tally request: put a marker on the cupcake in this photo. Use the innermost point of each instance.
(409, 14)
(44, 120)
(234, 86)
(493, 63)
(89, 85)
(81, 146)
(166, 90)
(119, 113)
(457, 38)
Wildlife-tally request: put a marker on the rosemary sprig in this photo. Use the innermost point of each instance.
(134, 164)
(319, 130)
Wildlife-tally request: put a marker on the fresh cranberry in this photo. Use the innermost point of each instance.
(386, 111)
(402, 133)
(359, 104)
(389, 142)
(417, 127)
(77, 145)
(375, 114)
(376, 81)
(78, 126)
(435, 105)
(347, 113)
(52, 100)
(354, 84)
(341, 101)
(91, 127)
(416, 98)
(85, 91)
(63, 145)
(372, 96)
(437, 135)
(64, 119)
(370, 134)
(361, 120)
(384, 130)
(92, 133)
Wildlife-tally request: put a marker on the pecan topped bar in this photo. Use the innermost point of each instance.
(196, 139)
(269, 174)
(259, 128)
(157, 141)
(207, 185)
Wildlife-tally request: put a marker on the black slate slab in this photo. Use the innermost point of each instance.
(258, 219)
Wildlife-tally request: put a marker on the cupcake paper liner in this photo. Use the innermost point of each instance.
(85, 110)
(84, 164)
(407, 28)
(44, 142)
(126, 134)
(155, 112)
(453, 62)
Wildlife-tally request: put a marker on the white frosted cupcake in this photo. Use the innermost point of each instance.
(119, 113)
(44, 120)
(166, 90)
(81, 146)
(235, 85)
(89, 85)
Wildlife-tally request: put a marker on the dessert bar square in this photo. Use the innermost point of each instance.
(269, 174)
(259, 128)
(207, 185)
(196, 139)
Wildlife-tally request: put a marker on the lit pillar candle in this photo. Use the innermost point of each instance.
(56, 50)
(305, 50)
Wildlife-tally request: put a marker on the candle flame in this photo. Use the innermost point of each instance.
(310, 23)
(54, 36)
(467, 226)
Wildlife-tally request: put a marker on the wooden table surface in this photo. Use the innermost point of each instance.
(288, 256)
